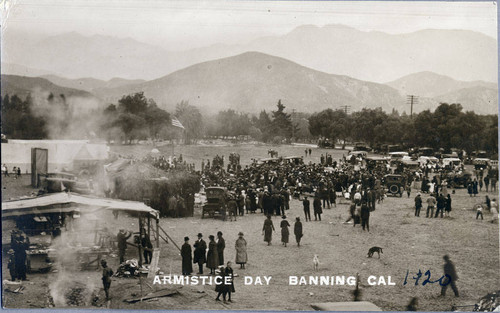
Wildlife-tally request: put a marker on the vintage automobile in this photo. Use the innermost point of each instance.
(395, 184)
(458, 180)
(481, 163)
(216, 202)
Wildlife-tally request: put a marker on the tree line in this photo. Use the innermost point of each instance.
(447, 127)
(135, 117)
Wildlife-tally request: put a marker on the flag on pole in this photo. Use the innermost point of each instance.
(177, 123)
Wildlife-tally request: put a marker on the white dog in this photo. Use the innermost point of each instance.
(316, 262)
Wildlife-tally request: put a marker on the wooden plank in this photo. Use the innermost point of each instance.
(156, 294)
(154, 263)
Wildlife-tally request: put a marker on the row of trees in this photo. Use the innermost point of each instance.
(447, 127)
(135, 117)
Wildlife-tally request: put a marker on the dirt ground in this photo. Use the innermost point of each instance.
(409, 243)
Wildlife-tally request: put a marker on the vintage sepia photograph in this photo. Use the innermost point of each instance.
(250, 155)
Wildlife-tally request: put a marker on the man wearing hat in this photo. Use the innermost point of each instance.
(418, 204)
(187, 266)
(121, 239)
(200, 258)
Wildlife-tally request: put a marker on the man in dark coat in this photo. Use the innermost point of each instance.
(317, 208)
(107, 273)
(200, 247)
(450, 277)
(121, 240)
(146, 244)
(187, 258)
(418, 204)
(440, 205)
(297, 230)
(221, 245)
(365, 216)
(307, 208)
(267, 204)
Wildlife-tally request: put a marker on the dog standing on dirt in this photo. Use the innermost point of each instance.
(316, 262)
(373, 250)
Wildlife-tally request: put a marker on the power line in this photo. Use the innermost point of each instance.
(345, 108)
(411, 100)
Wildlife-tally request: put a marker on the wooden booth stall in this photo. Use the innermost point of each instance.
(48, 214)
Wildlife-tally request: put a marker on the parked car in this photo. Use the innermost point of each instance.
(394, 184)
(216, 202)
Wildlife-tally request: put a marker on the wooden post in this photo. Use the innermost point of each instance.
(157, 232)
(149, 227)
(139, 244)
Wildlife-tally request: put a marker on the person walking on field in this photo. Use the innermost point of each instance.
(187, 257)
(450, 277)
(200, 246)
(241, 251)
(486, 181)
(221, 245)
(212, 255)
(317, 208)
(447, 208)
(285, 233)
(440, 205)
(107, 273)
(365, 216)
(431, 203)
(307, 208)
(297, 230)
(418, 204)
(267, 230)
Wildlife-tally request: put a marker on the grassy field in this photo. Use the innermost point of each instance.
(409, 244)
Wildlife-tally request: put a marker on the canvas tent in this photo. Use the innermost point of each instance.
(63, 202)
(62, 154)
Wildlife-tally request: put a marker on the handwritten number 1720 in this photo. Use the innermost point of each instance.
(443, 280)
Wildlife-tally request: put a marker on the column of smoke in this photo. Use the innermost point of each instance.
(67, 117)
(80, 233)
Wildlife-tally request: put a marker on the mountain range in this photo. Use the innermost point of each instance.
(335, 49)
(253, 81)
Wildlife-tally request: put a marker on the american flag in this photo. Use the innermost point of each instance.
(176, 123)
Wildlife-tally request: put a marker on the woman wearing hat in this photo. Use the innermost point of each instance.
(212, 255)
(267, 230)
(285, 234)
(241, 250)
(187, 258)
(297, 230)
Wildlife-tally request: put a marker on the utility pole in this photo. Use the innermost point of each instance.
(293, 126)
(345, 108)
(411, 99)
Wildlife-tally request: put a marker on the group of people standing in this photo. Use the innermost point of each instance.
(214, 257)
(268, 229)
(438, 202)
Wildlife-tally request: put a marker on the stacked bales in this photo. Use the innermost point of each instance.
(144, 182)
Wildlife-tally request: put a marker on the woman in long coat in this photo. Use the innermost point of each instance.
(187, 258)
(267, 230)
(284, 231)
(229, 287)
(297, 230)
(212, 255)
(241, 250)
(221, 245)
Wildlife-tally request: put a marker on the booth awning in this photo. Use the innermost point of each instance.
(68, 202)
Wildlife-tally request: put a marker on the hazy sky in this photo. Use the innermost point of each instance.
(178, 25)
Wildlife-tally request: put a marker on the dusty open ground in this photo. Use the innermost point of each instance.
(409, 244)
